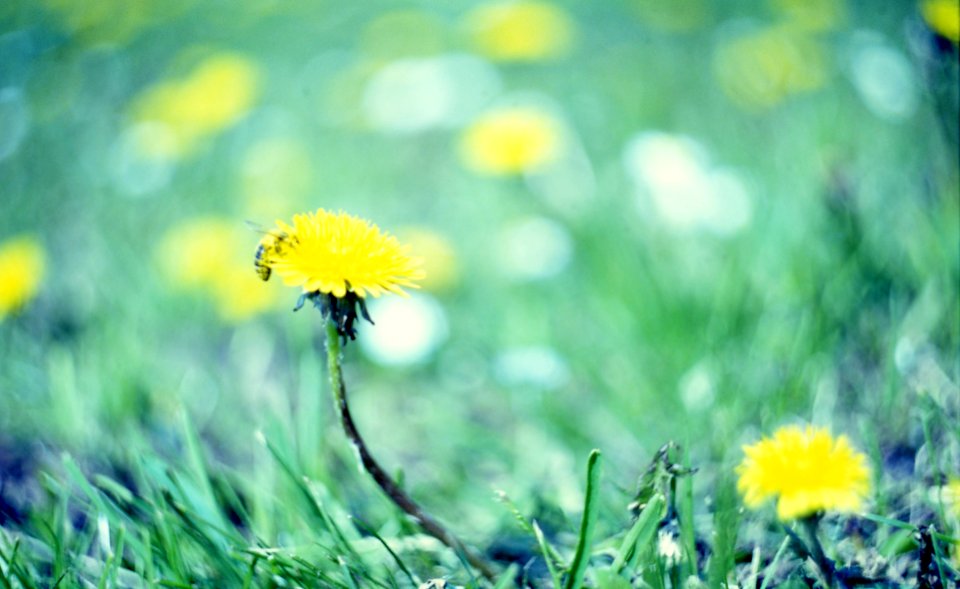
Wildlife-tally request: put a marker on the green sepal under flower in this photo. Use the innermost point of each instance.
(341, 310)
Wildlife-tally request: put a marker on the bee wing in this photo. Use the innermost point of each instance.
(256, 227)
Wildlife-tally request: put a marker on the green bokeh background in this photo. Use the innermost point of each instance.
(851, 256)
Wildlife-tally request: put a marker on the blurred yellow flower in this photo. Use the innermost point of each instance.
(675, 16)
(276, 175)
(113, 21)
(811, 15)
(943, 16)
(403, 33)
(22, 264)
(337, 253)
(520, 31)
(510, 141)
(196, 250)
(440, 265)
(214, 96)
(806, 470)
(202, 256)
(239, 295)
(953, 496)
(760, 69)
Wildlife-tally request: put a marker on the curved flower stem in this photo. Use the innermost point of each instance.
(825, 565)
(386, 483)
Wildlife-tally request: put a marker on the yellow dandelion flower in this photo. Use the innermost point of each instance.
(214, 96)
(403, 33)
(520, 31)
(762, 68)
(96, 22)
(811, 15)
(806, 470)
(511, 140)
(333, 253)
(943, 16)
(674, 16)
(21, 271)
(337, 260)
(952, 496)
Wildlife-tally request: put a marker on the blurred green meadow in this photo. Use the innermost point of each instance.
(641, 222)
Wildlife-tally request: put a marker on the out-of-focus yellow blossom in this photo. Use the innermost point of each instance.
(113, 21)
(807, 470)
(674, 16)
(239, 294)
(952, 496)
(439, 258)
(520, 31)
(403, 33)
(760, 69)
(943, 16)
(194, 251)
(811, 15)
(276, 176)
(211, 98)
(22, 263)
(204, 256)
(510, 141)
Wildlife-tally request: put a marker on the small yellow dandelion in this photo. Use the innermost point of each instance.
(807, 470)
(943, 16)
(337, 260)
(811, 15)
(520, 31)
(511, 140)
(762, 68)
(214, 96)
(952, 496)
(21, 271)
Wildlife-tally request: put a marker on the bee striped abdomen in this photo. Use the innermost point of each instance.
(260, 263)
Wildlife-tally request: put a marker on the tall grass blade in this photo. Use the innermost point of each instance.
(642, 533)
(545, 549)
(548, 551)
(591, 505)
(506, 580)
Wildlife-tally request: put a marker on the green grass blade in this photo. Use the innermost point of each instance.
(545, 549)
(591, 505)
(5, 559)
(726, 523)
(772, 567)
(198, 464)
(14, 567)
(688, 536)
(347, 574)
(251, 572)
(642, 533)
(549, 552)
(506, 578)
(396, 558)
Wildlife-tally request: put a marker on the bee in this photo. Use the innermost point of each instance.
(273, 244)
